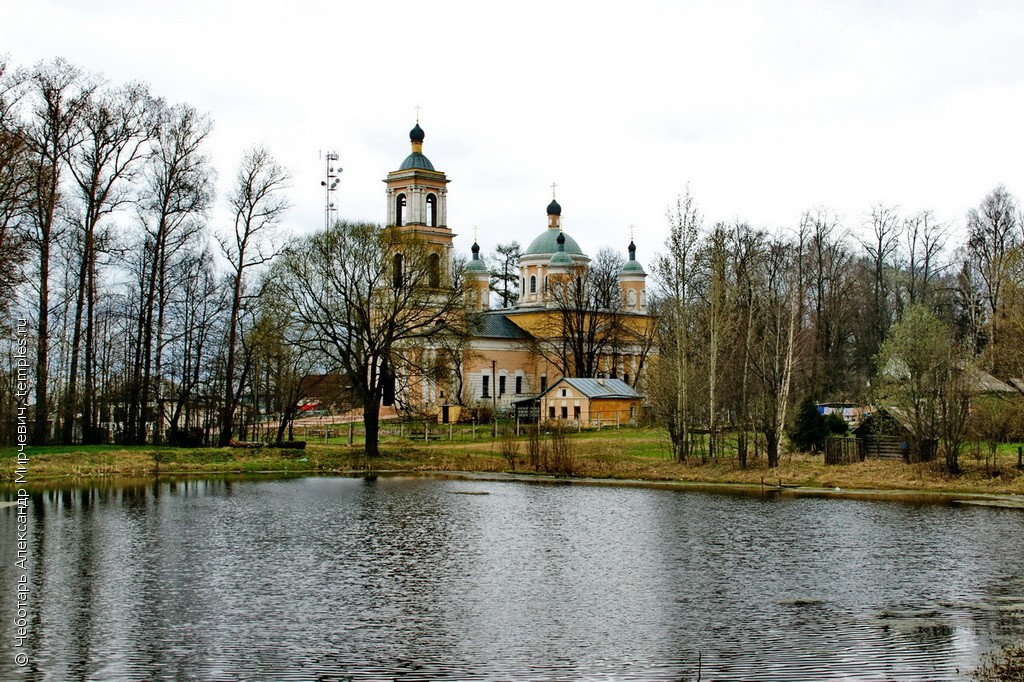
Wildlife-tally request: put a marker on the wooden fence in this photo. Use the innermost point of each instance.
(843, 450)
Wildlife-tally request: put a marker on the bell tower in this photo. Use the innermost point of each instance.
(417, 197)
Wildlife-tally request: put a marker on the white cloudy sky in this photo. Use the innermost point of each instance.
(765, 109)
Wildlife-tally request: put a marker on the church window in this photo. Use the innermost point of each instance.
(631, 298)
(434, 270)
(533, 284)
(431, 210)
(523, 279)
(397, 270)
(400, 209)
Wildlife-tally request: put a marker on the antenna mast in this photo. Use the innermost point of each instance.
(330, 184)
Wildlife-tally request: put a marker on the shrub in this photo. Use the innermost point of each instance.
(509, 445)
(836, 425)
(535, 447)
(561, 462)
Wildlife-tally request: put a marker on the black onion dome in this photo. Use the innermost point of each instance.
(554, 208)
(475, 249)
(632, 250)
(417, 134)
(561, 241)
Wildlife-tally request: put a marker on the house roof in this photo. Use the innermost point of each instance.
(983, 382)
(495, 325)
(899, 416)
(597, 388)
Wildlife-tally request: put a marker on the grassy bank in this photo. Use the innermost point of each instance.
(640, 454)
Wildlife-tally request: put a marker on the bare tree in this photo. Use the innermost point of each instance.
(674, 271)
(115, 129)
(57, 96)
(584, 332)
(994, 234)
(771, 351)
(15, 186)
(178, 193)
(362, 297)
(828, 272)
(924, 242)
(881, 248)
(197, 317)
(258, 204)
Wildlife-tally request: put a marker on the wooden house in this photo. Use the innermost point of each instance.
(591, 402)
(887, 434)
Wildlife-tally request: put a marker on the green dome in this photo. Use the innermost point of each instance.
(476, 265)
(417, 160)
(560, 258)
(547, 243)
(633, 267)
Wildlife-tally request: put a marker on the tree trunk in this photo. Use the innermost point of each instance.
(371, 424)
(41, 432)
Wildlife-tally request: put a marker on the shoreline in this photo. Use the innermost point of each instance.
(627, 457)
(914, 495)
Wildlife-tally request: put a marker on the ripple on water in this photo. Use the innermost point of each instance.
(448, 580)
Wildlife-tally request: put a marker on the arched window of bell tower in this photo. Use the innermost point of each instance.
(533, 284)
(397, 272)
(431, 210)
(434, 270)
(400, 209)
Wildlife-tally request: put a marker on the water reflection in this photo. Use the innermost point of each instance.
(399, 578)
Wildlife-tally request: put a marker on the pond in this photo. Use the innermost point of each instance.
(435, 579)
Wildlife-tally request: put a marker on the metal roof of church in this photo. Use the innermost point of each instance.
(416, 160)
(495, 325)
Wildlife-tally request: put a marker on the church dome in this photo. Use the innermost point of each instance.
(547, 243)
(416, 134)
(632, 266)
(476, 265)
(554, 208)
(560, 258)
(417, 160)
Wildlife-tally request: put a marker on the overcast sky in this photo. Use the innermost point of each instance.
(765, 109)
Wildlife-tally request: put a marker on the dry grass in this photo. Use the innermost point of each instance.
(640, 454)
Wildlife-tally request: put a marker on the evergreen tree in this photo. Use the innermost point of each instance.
(504, 276)
(809, 427)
